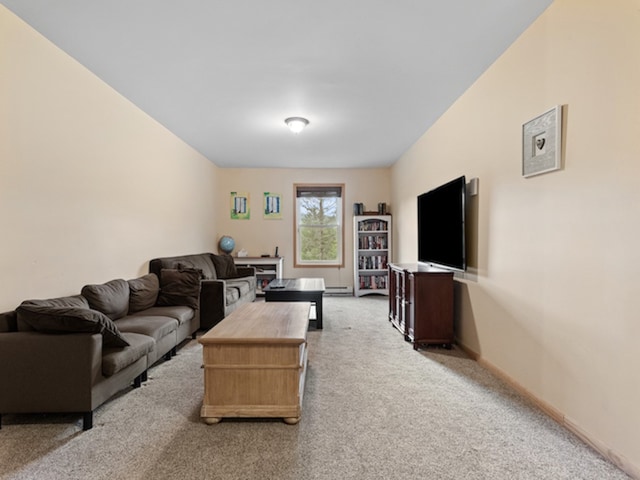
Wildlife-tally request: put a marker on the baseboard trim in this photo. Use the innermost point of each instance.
(338, 291)
(618, 460)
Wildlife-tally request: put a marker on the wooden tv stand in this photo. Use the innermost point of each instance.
(421, 304)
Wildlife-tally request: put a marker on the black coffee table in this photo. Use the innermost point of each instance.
(297, 290)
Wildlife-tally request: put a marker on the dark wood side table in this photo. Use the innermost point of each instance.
(297, 290)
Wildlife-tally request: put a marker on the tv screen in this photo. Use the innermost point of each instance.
(441, 226)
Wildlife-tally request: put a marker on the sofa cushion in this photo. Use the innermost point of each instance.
(111, 298)
(198, 262)
(243, 286)
(179, 287)
(72, 301)
(152, 326)
(48, 319)
(143, 292)
(116, 359)
(225, 266)
(231, 295)
(181, 313)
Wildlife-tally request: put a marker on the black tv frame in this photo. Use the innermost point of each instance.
(442, 226)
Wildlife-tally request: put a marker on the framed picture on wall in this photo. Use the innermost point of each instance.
(542, 143)
(240, 206)
(272, 206)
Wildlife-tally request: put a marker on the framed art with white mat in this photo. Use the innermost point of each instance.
(542, 143)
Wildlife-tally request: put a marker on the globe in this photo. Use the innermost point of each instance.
(227, 244)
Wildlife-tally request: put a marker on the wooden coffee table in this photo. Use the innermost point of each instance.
(255, 362)
(297, 290)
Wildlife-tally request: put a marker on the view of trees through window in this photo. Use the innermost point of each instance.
(319, 225)
(319, 229)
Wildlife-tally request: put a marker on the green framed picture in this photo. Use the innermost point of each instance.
(272, 206)
(240, 209)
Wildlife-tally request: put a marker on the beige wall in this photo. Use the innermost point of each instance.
(551, 298)
(91, 188)
(259, 236)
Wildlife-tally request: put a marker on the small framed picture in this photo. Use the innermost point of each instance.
(542, 143)
(272, 206)
(240, 206)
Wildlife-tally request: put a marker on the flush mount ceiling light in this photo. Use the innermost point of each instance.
(296, 124)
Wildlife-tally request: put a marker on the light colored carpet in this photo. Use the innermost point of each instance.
(373, 409)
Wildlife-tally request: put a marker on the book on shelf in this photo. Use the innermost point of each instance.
(373, 282)
(372, 262)
(372, 242)
(372, 226)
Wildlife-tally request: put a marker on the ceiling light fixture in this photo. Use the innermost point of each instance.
(296, 124)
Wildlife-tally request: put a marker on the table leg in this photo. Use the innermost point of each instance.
(318, 302)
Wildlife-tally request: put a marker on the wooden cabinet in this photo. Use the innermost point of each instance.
(267, 269)
(371, 254)
(397, 298)
(421, 304)
(255, 362)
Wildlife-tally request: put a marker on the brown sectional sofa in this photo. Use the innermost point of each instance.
(71, 354)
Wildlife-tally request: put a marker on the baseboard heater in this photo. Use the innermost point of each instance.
(338, 291)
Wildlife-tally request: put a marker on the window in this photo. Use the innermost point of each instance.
(318, 225)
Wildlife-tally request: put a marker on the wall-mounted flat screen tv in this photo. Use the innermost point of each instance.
(441, 226)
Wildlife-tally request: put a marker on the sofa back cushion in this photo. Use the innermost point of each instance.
(111, 298)
(143, 292)
(61, 319)
(199, 261)
(225, 266)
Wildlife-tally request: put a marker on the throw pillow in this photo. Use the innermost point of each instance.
(111, 298)
(179, 287)
(182, 266)
(143, 292)
(47, 319)
(72, 301)
(225, 266)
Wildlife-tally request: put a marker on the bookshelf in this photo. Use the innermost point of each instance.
(372, 253)
(267, 268)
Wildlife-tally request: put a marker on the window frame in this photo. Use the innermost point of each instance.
(298, 263)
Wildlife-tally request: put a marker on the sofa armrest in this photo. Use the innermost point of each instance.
(8, 321)
(212, 302)
(42, 372)
(246, 271)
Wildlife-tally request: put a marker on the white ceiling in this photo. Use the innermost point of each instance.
(370, 75)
